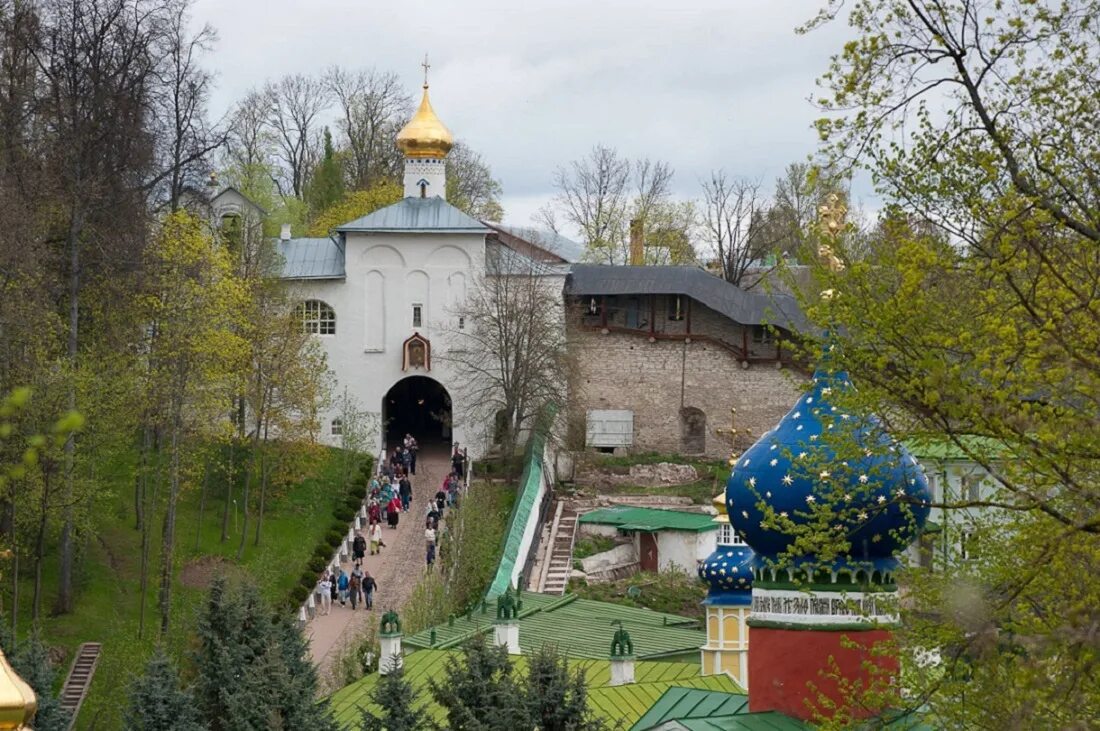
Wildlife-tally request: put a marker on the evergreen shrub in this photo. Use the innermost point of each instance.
(323, 551)
(344, 513)
(308, 579)
(353, 502)
(334, 537)
(359, 490)
(318, 564)
(299, 594)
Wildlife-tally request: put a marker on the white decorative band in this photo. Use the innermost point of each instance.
(826, 608)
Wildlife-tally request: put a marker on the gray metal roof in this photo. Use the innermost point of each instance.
(747, 308)
(417, 214)
(553, 242)
(311, 259)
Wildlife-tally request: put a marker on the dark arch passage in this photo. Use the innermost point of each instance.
(420, 406)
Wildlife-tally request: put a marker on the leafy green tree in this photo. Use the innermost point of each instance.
(353, 205)
(254, 670)
(557, 700)
(398, 700)
(983, 333)
(479, 691)
(157, 702)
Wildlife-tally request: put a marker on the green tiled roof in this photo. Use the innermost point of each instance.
(650, 519)
(680, 703)
(626, 702)
(581, 628)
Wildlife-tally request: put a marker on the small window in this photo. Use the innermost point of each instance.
(337, 427)
(418, 315)
(727, 536)
(972, 487)
(461, 322)
(675, 308)
(762, 335)
(317, 317)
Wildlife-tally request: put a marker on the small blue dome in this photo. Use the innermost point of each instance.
(728, 573)
(876, 489)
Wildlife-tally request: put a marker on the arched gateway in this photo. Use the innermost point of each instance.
(420, 406)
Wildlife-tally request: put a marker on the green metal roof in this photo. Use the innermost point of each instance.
(940, 447)
(580, 628)
(680, 703)
(627, 702)
(649, 520)
(768, 721)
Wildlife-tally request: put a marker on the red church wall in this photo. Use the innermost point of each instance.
(783, 664)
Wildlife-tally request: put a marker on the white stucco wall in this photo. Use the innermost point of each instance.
(683, 549)
(386, 273)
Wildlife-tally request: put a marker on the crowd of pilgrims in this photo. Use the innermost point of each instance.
(389, 494)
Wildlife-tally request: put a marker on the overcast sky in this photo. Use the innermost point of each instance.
(533, 84)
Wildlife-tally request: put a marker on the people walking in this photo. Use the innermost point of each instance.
(411, 448)
(431, 554)
(376, 544)
(355, 588)
(369, 585)
(458, 462)
(342, 588)
(393, 511)
(359, 545)
(324, 588)
(406, 490)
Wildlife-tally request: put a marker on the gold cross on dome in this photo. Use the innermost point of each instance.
(426, 66)
(732, 432)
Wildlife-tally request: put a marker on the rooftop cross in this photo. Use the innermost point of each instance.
(731, 434)
(426, 66)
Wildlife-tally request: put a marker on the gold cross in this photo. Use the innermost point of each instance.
(426, 66)
(732, 432)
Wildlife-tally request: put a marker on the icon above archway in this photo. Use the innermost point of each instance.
(416, 353)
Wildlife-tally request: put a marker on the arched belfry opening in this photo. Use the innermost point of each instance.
(420, 406)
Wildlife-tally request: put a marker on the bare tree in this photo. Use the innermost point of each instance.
(510, 351)
(294, 106)
(249, 140)
(731, 217)
(592, 196)
(373, 106)
(187, 137)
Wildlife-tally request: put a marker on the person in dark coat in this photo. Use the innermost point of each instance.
(394, 511)
(406, 491)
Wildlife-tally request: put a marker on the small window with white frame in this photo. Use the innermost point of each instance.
(461, 322)
(317, 317)
(727, 536)
(337, 427)
(418, 315)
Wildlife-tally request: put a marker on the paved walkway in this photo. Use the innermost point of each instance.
(396, 568)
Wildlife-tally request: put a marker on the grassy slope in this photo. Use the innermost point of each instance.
(712, 475)
(108, 576)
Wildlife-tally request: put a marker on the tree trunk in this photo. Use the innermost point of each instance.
(202, 503)
(168, 537)
(244, 497)
(40, 548)
(229, 479)
(65, 575)
(141, 484)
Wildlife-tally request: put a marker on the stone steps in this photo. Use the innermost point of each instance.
(79, 679)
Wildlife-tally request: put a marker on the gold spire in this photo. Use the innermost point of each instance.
(425, 136)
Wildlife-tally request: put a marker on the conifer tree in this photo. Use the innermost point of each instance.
(157, 702)
(479, 691)
(32, 661)
(253, 669)
(557, 700)
(398, 700)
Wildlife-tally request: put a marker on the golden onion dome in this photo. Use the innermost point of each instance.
(425, 136)
(17, 701)
(719, 503)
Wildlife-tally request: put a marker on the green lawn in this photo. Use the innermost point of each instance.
(108, 575)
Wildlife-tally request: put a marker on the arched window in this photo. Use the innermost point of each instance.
(337, 427)
(317, 317)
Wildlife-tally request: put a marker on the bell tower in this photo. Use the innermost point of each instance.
(425, 142)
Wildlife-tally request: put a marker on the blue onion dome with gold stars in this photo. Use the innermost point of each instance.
(728, 574)
(836, 471)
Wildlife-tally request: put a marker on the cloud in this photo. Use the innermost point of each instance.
(532, 85)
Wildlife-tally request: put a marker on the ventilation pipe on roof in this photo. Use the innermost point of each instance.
(284, 234)
(622, 657)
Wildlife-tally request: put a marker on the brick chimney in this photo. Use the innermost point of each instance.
(637, 243)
